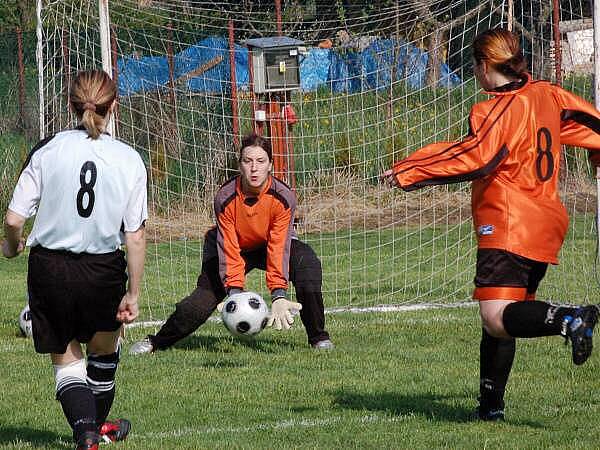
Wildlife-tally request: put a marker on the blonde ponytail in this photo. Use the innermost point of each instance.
(92, 94)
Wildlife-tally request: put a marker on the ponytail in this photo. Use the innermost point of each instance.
(92, 94)
(501, 49)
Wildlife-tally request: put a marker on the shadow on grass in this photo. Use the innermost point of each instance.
(30, 437)
(430, 406)
(219, 344)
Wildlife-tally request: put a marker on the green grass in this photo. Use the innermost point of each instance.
(395, 380)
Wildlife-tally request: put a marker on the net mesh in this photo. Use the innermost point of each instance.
(377, 82)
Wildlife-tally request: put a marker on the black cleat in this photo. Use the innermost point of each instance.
(490, 409)
(579, 329)
(489, 415)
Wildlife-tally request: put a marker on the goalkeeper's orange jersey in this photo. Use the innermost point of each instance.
(512, 155)
(250, 223)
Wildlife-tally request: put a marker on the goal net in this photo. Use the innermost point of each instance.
(377, 81)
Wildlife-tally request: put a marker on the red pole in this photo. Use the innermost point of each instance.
(557, 48)
(234, 104)
(115, 75)
(289, 142)
(277, 135)
(21, 78)
(278, 14)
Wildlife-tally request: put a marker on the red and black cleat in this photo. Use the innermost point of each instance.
(89, 441)
(115, 430)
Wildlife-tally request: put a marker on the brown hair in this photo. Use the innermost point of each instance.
(92, 94)
(501, 49)
(254, 140)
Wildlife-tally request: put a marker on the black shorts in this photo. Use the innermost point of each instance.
(503, 275)
(72, 296)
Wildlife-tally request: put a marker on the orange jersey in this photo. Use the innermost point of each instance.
(249, 223)
(512, 155)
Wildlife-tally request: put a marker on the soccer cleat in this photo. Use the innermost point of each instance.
(115, 430)
(579, 329)
(325, 344)
(88, 441)
(489, 415)
(141, 347)
(491, 407)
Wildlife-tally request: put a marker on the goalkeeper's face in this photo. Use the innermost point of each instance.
(255, 167)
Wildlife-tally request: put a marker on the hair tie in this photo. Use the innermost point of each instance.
(89, 106)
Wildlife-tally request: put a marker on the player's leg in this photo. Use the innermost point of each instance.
(306, 275)
(531, 318)
(192, 311)
(99, 285)
(53, 309)
(75, 396)
(496, 355)
(102, 363)
(505, 287)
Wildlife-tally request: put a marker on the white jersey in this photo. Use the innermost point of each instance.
(85, 192)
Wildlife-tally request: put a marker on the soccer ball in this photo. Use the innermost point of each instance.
(25, 322)
(245, 314)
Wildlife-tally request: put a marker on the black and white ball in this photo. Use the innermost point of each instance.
(25, 322)
(245, 314)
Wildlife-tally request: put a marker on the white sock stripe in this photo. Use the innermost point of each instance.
(101, 365)
(73, 373)
(69, 380)
(101, 390)
(101, 386)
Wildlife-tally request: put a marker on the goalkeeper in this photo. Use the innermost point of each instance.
(512, 155)
(255, 215)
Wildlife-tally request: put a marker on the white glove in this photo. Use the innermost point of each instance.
(281, 313)
(230, 292)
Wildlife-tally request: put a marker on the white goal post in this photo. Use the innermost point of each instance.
(377, 82)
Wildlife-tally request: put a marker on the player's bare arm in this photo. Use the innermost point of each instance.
(136, 251)
(14, 244)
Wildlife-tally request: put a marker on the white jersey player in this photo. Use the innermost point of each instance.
(88, 193)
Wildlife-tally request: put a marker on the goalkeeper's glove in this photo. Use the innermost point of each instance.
(282, 310)
(230, 292)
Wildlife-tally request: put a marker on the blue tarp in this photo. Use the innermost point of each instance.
(342, 70)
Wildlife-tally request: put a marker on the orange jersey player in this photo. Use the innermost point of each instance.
(246, 223)
(255, 215)
(512, 157)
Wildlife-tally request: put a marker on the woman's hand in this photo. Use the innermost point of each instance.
(9, 251)
(128, 308)
(389, 177)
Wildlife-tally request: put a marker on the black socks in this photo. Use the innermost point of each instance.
(79, 406)
(496, 359)
(534, 319)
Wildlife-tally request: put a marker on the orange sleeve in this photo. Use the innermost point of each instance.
(580, 121)
(278, 247)
(451, 162)
(231, 264)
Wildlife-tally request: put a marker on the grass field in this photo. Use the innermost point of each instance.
(395, 380)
